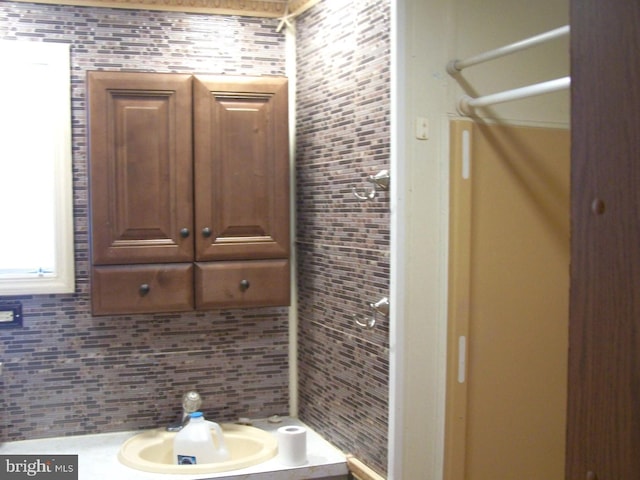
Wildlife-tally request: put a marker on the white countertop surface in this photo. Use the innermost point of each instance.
(97, 457)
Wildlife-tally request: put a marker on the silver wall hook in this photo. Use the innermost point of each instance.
(381, 307)
(380, 181)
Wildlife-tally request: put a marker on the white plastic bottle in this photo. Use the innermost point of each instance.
(194, 443)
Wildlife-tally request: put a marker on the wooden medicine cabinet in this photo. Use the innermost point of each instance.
(189, 178)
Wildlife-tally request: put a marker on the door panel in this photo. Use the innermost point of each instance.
(241, 167)
(141, 167)
(604, 364)
(509, 289)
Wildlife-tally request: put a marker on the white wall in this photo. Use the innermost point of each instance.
(427, 34)
(419, 239)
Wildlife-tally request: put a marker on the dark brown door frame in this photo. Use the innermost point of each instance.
(603, 430)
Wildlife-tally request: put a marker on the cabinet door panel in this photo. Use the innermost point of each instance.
(142, 289)
(241, 167)
(141, 167)
(259, 283)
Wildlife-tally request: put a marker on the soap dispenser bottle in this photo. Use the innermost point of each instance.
(194, 444)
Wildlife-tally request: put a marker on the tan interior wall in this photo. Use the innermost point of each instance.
(509, 290)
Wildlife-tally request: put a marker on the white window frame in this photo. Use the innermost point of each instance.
(55, 58)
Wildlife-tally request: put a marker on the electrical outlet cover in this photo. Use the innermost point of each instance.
(10, 315)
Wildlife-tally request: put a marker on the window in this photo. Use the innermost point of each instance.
(36, 214)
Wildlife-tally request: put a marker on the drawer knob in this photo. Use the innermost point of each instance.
(144, 289)
(184, 233)
(244, 285)
(206, 232)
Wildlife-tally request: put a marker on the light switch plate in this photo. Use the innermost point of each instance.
(422, 128)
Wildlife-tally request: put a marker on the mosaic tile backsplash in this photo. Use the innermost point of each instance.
(67, 372)
(343, 244)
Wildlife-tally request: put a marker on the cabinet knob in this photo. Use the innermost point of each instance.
(144, 289)
(206, 232)
(184, 233)
(244, 285)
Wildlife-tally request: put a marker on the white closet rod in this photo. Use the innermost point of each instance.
(456, 66)
(466, 104)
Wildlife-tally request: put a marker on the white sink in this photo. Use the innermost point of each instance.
(152, 451)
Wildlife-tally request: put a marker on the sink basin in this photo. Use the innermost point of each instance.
(152, 451)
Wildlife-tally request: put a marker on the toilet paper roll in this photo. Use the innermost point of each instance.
(292, 445)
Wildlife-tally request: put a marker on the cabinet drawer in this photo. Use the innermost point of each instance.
(142, 289)
(258, 283)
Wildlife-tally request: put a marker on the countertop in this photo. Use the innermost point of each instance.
(97, 457)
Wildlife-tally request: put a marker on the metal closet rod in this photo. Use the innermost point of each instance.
(456, 66)
(466, 104)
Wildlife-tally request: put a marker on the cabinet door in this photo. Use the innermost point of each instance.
(141, 167)
(241, 167)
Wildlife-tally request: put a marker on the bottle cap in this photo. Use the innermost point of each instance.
(195, 414)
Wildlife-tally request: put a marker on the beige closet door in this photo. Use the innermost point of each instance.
(508, 307)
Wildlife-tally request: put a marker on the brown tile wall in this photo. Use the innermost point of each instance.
(67, 372)
(343, 244)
